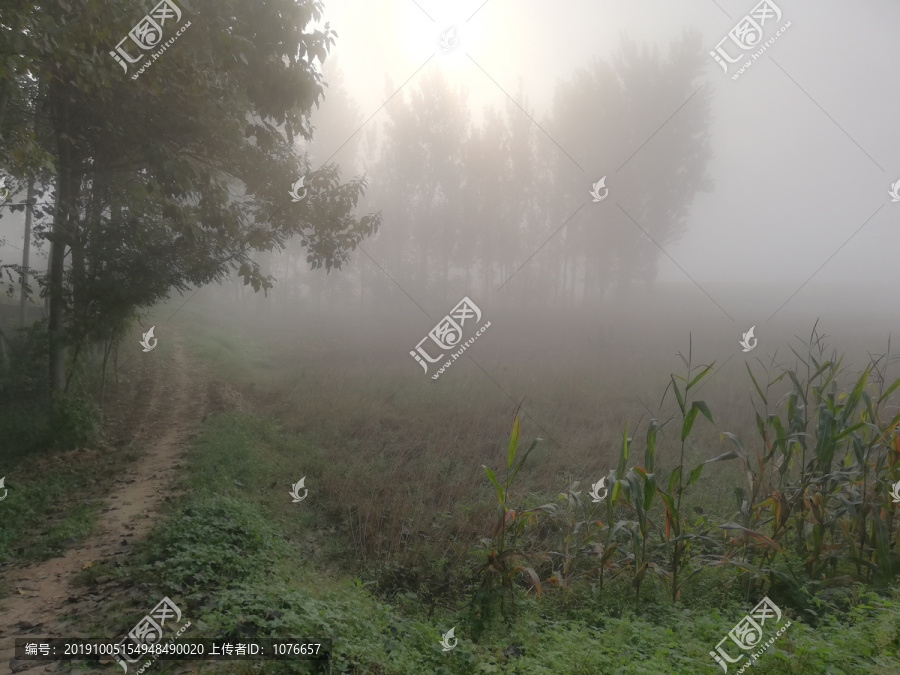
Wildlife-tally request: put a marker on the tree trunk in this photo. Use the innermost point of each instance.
(2, 343)
(107, 348)
(65, 205)
(26, 253)
(55, 324)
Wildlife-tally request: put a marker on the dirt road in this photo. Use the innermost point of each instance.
(171, 404)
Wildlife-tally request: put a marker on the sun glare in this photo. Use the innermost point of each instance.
(447, 37)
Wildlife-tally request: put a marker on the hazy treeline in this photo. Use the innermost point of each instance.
(468, 196)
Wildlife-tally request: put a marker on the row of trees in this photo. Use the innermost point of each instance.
(180, 178)
(176, 179)
(467, 201)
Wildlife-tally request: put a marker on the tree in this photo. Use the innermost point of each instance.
(421, 175)
(602, 116)
(175, 178)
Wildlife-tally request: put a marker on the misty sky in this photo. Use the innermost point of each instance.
(790, 185)
(806, 143)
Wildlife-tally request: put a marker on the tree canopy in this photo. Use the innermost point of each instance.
(471, 198)
(175, 178)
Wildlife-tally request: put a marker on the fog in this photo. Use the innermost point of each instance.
(804, 150)
(798, 223)
(803, 147)
(365, 253)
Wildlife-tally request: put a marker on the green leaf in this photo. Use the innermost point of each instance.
(674, 479)
(493, 479)
(791, 407)
(649, 487)
(739, 498)
(704, 409)
(797, 386)
(650, 452)
(701, 375)
(895, 421)
(635, 484)
(521, 461)
(849, 430)
(668, 500)
(688, 422)
(678, 395)
(734, 439)
(889, 390)
(760, 425)
(780, 437)
(513, 441)
(853, 400)
(756, 384)
(623, 454)
(695, 474)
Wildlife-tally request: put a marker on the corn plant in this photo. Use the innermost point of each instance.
(612, 497)
(676, 486)
(572, 521)
(502, 551)
(638, 491)
(816, 498)
(822, 474)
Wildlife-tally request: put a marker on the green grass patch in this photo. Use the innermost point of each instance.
(54, 500)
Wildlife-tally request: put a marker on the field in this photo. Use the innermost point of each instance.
(401, 537)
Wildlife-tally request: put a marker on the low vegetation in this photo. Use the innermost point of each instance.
(398, 542)
(394, 547)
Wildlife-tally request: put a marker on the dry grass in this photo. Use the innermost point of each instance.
(403, 454)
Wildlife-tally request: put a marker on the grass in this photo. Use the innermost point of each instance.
(54, 500)
(410, 456)
(379, 556)
(240, 560)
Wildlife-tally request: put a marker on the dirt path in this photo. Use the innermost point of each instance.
(173, 401)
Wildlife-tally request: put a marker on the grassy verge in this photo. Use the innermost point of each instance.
(54, 500)
(56, 465)
(242, 560)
